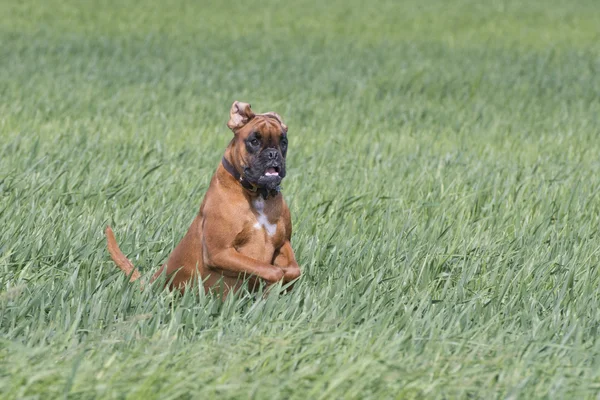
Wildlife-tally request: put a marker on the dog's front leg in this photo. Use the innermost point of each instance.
(231, 263)
(286, 260)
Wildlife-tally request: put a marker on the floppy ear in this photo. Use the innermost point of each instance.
(278, 118)
(239, 115)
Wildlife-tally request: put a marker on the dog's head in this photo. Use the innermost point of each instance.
(259, 146)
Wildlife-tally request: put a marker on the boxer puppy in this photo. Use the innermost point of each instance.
(243, 229)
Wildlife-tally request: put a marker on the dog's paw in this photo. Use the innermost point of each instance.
(290, 274)
(273, 275)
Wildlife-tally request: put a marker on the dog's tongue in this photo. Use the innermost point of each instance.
(271, 171)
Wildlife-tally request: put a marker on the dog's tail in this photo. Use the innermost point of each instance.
(119, 258)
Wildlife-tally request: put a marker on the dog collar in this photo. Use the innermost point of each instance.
(246, 184)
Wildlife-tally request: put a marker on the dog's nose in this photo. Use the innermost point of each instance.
(272, 154)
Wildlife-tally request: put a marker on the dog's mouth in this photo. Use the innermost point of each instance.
(272, 171)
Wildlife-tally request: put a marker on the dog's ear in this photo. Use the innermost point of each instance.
(239, 115)
(278, 118)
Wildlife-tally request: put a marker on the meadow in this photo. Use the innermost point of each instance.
(443, 179)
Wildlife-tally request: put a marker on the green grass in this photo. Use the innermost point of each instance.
(443, 183)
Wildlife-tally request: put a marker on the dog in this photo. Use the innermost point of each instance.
(243, 230)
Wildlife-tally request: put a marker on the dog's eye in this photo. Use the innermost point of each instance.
(254, 142)
(283, 144)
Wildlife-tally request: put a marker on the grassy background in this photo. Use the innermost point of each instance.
(443, 182)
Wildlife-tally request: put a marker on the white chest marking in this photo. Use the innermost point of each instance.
(261, 219)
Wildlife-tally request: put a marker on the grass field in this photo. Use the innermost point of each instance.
(443, 181)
